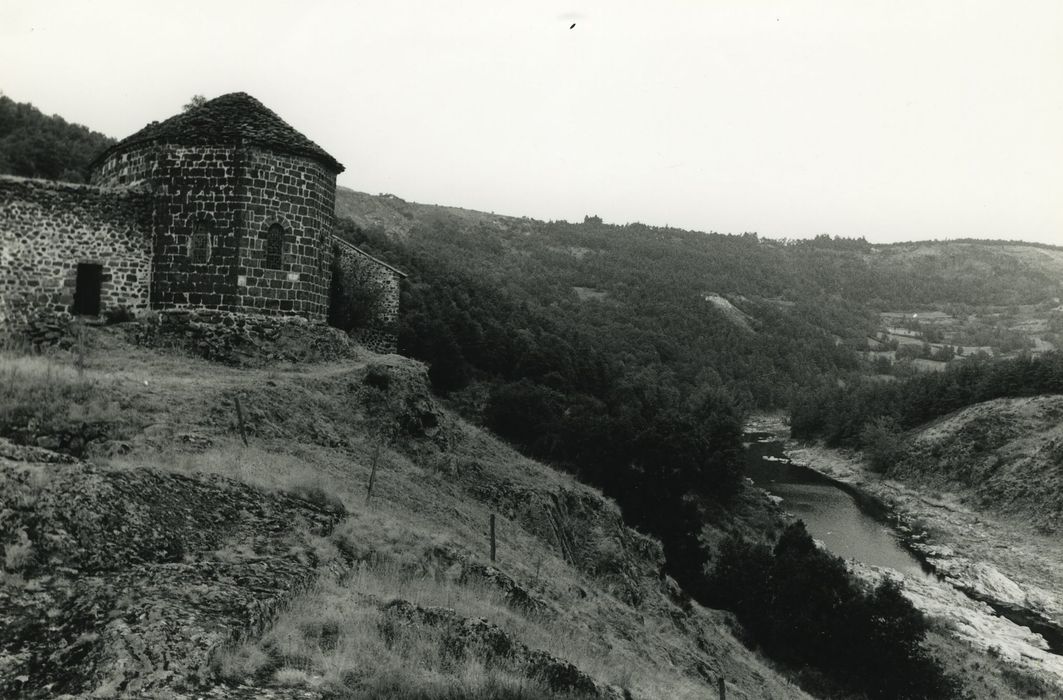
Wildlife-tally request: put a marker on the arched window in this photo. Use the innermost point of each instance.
(275, 247)
(199, 246)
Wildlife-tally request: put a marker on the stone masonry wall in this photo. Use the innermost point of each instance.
(128, 168)
(358, 268)
(47, 228)
(299, 194)
(196, 190)
(233, 195)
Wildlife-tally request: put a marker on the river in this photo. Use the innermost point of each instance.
(847, 526)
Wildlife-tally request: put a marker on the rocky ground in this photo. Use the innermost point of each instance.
(980, 557)
(131, 580)
(147, 552)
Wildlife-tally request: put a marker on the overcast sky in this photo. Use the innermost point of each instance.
(893, 120)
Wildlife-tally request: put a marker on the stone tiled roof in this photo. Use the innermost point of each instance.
(236, 118)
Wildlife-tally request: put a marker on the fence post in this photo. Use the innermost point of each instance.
(240, 420)
(372, 474)
(492, 537)
(722, 684)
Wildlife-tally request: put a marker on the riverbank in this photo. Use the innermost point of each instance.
(981, 559)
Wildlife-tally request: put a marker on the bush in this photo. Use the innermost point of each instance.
(118, 314)
(801, 604)
(881, 442)
(320, 498)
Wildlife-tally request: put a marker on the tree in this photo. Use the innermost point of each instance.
(34, 145)
(881, 441)
(195, 101)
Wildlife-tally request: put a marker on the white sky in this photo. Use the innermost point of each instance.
(894, 120)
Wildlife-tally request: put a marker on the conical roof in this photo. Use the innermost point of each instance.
(236, 118)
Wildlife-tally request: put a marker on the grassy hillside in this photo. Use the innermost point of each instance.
(389, 597)
(1003, 456)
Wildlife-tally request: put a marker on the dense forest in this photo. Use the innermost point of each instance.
(868, 413)
(760, 321)
(35, 145)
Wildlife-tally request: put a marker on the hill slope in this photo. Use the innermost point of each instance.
(1004, 455)
(35, 145)
(378, 599)
(908, 275)
(668, 297)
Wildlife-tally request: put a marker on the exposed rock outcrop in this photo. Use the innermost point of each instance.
(126, 582)
(397, 400)
(245, 340)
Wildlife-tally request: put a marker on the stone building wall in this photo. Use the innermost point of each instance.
(196, 191)
(47, 228)
(355, 267)
(299, 195)
(128, 168)
(230, 197)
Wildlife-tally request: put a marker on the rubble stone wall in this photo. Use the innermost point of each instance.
(188, 228)
(356, 268)
(47, 228)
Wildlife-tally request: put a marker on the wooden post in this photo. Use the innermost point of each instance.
(722, 684)
(372, 474)
(240, 420)
(492, 537)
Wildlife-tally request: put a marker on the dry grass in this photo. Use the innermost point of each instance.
(427, 512)
(254, 465)
(18, 366)
(18, 554)
(334, 637)
(50, 396)
(407, 537)
(331, 636)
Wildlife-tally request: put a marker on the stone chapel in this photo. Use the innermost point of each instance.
(224, 207)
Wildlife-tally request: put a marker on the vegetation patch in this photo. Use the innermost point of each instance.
(802, 606)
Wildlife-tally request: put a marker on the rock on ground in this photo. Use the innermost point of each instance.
(126, 582)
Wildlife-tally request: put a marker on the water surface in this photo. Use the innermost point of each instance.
(846, 527)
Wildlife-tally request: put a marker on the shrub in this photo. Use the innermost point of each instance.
(801, 604)
(881, 441)
(319, 497)
(19, 555)
(118, 314)
(1025, 683)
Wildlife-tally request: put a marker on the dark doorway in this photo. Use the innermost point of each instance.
(87, 290)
